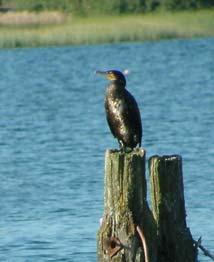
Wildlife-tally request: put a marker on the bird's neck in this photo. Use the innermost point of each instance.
(116, 87)
(115, 90)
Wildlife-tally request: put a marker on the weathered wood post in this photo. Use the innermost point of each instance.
(125, 210)
(175, 243)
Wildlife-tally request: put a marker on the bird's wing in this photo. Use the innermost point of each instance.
(133, 115)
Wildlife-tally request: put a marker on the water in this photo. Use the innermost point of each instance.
(53, 135)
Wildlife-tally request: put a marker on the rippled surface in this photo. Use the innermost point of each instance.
(53, 135)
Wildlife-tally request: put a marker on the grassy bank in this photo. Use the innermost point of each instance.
(52, 29)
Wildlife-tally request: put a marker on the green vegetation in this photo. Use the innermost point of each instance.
(106, 29)
(88, 7)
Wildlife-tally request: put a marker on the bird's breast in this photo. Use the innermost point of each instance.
(116, 110)
(117, 106)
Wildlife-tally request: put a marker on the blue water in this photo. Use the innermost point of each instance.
(53, 136)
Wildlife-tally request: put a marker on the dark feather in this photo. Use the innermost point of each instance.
(123, 116)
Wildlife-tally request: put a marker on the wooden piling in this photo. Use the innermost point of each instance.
(175, 243)
(126, 212)
(129, 231)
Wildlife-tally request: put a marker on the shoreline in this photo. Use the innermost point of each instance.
(57, 29)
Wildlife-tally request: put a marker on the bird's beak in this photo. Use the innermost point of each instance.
(102, 73)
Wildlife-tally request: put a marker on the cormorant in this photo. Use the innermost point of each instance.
(122, 112)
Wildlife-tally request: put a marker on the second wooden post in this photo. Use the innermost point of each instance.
(175, 243)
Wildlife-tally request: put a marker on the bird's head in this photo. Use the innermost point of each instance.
(114, 76)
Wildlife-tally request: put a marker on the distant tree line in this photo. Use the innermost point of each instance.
(106, 6)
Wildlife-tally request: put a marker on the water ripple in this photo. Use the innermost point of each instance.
(53, 136)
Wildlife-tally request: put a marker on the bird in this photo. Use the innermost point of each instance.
(122, 112)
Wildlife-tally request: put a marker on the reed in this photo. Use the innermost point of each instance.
(71, 30)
